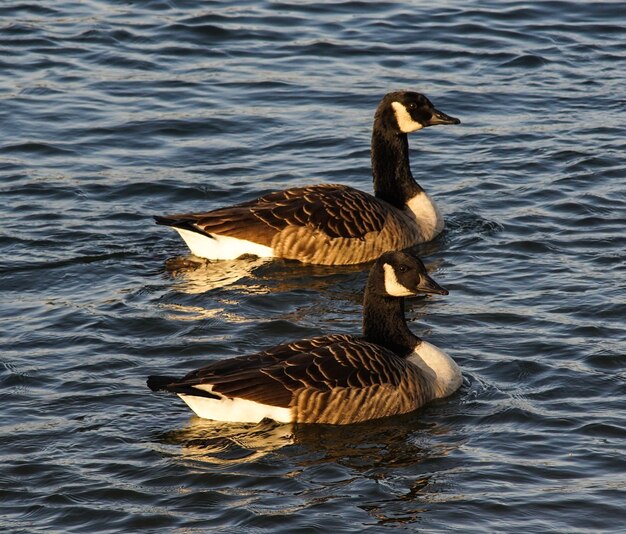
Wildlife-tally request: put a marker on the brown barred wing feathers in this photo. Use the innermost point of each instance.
(335, 210)
(254, 377)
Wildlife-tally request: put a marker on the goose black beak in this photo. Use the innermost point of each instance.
(438, 117)
(428, 285)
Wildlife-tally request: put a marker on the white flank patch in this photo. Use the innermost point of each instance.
(426, 214)
(448, 374)
(392, 286)
(221, 247)
(404, 119)
(235, 410)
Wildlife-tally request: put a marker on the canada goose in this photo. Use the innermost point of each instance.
(335, 379)
(332, 224)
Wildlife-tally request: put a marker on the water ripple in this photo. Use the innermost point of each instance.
(116, 111)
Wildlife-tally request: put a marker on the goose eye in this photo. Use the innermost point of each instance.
(403, 269)
(412, 106)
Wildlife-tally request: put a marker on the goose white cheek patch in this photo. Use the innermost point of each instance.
(392, 286)
(404, 119)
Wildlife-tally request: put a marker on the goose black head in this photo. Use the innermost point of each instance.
(401, 274)
(408, 111)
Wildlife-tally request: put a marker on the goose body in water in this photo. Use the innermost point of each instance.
(332, 224)
(333, 379)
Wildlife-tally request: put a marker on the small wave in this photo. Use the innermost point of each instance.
(463, 223)
(37, 148)
(526, 61)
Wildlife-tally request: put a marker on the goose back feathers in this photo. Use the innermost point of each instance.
(332, 224)
(335, 379)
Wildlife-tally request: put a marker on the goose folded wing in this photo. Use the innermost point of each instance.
(244, 374)
(335, 210)
(274, 376)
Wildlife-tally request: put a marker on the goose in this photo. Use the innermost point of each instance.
(332, 224)
(337, 378)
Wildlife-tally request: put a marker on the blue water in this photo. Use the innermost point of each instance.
(111, 111)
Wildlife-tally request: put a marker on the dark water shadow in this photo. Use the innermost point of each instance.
(392, 442)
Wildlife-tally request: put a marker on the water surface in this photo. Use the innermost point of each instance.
(112, 111)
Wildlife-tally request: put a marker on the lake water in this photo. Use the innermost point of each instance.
(112, 111)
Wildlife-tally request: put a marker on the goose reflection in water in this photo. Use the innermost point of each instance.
(399, 441)
(308, 465)
(194, 276)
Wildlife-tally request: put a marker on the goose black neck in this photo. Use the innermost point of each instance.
(393, 181)
(384, 323)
